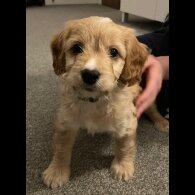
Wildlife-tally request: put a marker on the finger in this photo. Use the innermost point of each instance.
(147, 96)
(151, 89)
(144, 100)
(142, 107)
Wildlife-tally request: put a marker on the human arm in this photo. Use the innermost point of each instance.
(156, 69)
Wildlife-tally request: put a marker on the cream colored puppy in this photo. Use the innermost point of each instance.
(99, 64)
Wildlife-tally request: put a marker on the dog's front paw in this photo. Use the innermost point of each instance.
(162, 125)
(122, 170)
(56, 176)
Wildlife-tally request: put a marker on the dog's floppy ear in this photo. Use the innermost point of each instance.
(136, 56)
(58, 55)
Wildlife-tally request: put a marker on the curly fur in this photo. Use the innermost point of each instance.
(114, 91)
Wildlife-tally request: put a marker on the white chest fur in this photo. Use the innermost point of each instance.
(113, 113)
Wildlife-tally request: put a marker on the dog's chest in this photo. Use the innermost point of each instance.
(95, 117)
(113, 113)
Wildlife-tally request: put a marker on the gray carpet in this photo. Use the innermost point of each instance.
(92, 156)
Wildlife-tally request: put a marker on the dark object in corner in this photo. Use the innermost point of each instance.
(110, 3)
(35, 2)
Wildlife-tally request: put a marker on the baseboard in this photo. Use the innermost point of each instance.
(64, 2)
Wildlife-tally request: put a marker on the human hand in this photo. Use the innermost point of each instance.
(154, 77)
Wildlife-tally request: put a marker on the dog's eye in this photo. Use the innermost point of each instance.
(77, 48)
(113, 52)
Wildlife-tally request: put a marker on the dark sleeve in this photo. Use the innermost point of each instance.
(157, 41)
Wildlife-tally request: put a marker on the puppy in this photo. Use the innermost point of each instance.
(99, 64)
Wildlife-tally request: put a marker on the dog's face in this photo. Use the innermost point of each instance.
(94, 53)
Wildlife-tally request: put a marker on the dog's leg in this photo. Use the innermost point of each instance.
(58, 172)
(160, 123)
(123, 164)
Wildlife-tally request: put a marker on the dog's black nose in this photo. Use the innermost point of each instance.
(90, 76)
